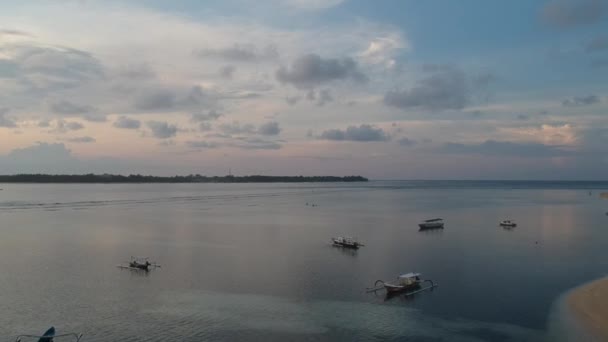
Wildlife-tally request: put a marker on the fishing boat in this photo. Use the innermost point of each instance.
(50, 335)
(431, 224)
(138, 263)
(409, 283)
(346, 242)
(507, 224)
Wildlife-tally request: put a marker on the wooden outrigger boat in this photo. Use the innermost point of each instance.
(141, 264)
(431, 224)
(507, 224)
(49, 336)
(407, 284)
(346, 242)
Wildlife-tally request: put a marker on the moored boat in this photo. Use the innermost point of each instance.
(347, 242)
(142, 264)
(507, 223)
(409, 283)
(431, 224)
(50, 336)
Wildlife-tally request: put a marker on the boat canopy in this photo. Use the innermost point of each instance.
(434, 220)
(409, 275)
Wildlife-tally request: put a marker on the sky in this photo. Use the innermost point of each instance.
(388, 89)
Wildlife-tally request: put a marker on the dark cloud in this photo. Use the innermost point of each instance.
(11, 32)
(162, 100)
(236, 128)
(4, 121)
(82, 140)
(523, 117)
(269, 128)
(62, 126)
(162, 130)
(321, 97)
(311, 70)
(208, 116)
(446, 88)
(227, 71)
(67, 108)
(573, 13)
(240, 53)
(506, 148)
(362, 133)
(292, 100)
(204, 127)
(581, 101)
(126, 123)
(201, 144)
(599, 43)
(406, 142)
(599, 63)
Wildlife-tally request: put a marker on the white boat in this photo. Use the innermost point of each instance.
(431, 224)
(507, 223)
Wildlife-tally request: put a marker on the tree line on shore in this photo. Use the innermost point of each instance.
(109, 178)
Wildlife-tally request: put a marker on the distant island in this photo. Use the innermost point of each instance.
(108, 178)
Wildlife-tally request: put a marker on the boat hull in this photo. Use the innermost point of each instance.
(346, 245)
(430, 225)
(390, 288)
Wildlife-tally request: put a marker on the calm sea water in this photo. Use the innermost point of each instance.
(253, 261)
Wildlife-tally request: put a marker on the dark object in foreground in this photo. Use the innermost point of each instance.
(431, 224)
(142, 264)
(407, 284)
(106, 178)
(346, 242)
(49, 336)
(507, 224)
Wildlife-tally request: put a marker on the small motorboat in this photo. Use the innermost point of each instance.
(507, 224)
(346, 242)
(409, 283)
(431, 224)
(50, 336)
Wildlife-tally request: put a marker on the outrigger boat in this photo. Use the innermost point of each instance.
(507, 224)
(431, 224)
(142, 264)
(49, 336)
(408, 284)
(346, 242)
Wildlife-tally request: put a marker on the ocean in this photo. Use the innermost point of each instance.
(244, 262)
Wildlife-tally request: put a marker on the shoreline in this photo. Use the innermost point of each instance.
(586, 307)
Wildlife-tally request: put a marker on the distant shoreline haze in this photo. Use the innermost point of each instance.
(109, 178)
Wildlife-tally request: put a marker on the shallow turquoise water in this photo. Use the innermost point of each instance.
(253, 262)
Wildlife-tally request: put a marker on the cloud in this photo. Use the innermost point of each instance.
(162, 130)
(446, 88)
(62, 126)
(201, 144)
(599, 43)
(383, 50)
(166, 99)
(208, 116)
(10, 32)
(126, 123)
(82, 140)
(581, 101)
(362, 133)
(269, 128)
(67, 108)
(239, 53)
(137, 72)
(292, 100)
(310, 5)
(236, 128)
(227, 71)
(523, 117)
(573, 13)
(599, 63)
(4, 121)
(255, 144)
(506, 148)
(311, 70)
(322, 97)
(406, 142)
